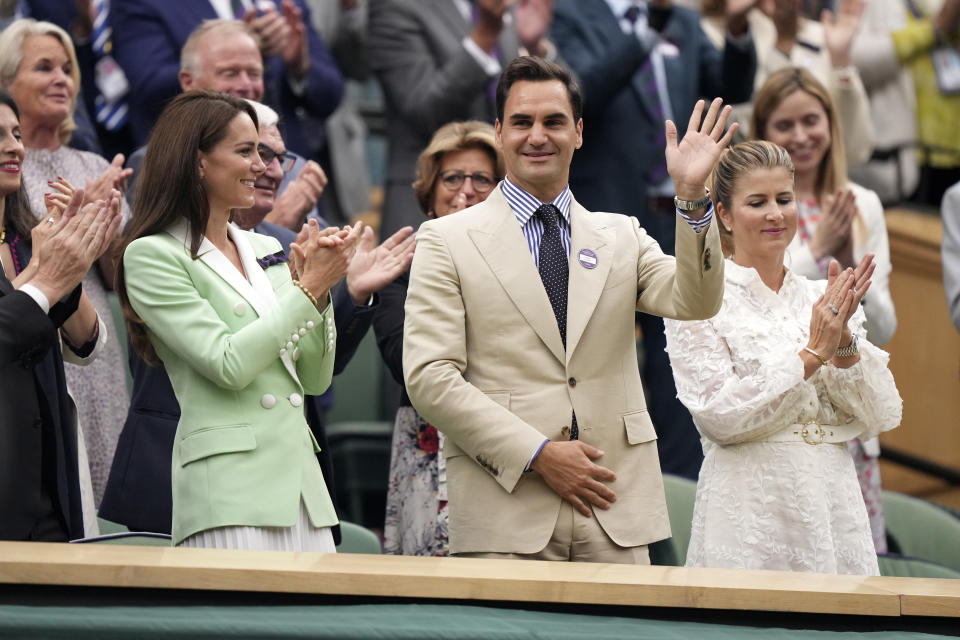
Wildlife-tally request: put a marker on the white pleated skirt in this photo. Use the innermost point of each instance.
(302, 536)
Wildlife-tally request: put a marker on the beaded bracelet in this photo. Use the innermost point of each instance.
(312, 297)
(816, 355)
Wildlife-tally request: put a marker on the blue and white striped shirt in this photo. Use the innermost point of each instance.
(524, 207)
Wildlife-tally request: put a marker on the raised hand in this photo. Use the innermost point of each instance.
(115, 177)
(839, 30)
(834, 230)
(300, 196)
(66, 250)
(271, 27)
(372, 267)
(58, 200)
(861, 283)
(690, 162)
(532, 21)
(295, 51)
(830, 312)
(325, 258)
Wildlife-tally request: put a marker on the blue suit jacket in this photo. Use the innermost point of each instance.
(620, 134)
(148, 36)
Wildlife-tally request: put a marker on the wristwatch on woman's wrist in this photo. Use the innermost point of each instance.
(850, 350)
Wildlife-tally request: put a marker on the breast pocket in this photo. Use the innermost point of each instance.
(639, 427)
(213, 441)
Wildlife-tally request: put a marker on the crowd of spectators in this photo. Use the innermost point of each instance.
(863, 95)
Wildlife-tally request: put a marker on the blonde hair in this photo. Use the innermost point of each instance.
(11, 55)
(832, 173)
(450, 138)
(735, 163)
(219, 26)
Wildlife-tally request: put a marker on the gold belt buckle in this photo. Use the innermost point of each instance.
(805, 432)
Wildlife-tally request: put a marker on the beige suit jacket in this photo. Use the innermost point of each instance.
(483, 361)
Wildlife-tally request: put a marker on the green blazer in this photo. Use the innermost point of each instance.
(241, 354)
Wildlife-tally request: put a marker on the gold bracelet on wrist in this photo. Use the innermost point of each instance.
(313, 298)
(816, 355)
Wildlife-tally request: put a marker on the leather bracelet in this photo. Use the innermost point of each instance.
(816, 355)
(313, 298)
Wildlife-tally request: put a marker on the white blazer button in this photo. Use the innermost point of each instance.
(329, 322)
(302, 332)
(240, 308)
(296, 399)
(289, 345)
(295, 337)
(310, 324)
(330, 346)
(282, 351)
(267, 401)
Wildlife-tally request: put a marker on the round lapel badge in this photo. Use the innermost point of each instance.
(588, 259)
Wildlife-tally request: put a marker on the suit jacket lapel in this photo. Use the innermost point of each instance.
(260, 284)
(504, 249)
(221, 265)
(585, 285)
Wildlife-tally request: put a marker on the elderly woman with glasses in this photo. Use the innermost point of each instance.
(458, 169)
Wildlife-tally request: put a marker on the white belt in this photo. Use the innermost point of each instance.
(812, 432)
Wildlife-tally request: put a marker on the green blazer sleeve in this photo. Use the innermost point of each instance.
(171, 293)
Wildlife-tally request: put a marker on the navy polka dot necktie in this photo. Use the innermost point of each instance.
(554, 270)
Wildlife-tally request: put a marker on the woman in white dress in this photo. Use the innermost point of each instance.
(837, 220)
(777, 382)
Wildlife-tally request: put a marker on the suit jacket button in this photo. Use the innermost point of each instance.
(240, 308)
(565, 432)
(572, 382)
(267, 401)
(296, 399)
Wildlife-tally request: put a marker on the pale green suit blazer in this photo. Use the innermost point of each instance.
(483, 362)
(241, 353)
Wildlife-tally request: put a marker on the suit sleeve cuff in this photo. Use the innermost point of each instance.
(37, 295)
(698, 225)
(533, 459)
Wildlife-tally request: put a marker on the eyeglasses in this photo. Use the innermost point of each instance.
(453, 179)
(268, 155)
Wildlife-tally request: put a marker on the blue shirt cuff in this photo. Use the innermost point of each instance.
(701, 224)
(533, 459)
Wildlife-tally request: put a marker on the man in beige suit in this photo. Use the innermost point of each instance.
(519, 337)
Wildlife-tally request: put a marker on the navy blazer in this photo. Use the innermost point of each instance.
(148, 36)
(620, 134)
(38, 424)
(139, 491)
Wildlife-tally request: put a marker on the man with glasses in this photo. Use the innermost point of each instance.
(223, 55)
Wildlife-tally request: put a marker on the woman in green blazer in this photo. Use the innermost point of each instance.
(242, 336)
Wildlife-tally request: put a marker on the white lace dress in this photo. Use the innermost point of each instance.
(776, 505)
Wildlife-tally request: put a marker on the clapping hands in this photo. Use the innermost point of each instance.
(833, 310)
(319, 257)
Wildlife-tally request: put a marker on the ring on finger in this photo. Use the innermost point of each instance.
(51, 220)
(833, 308)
